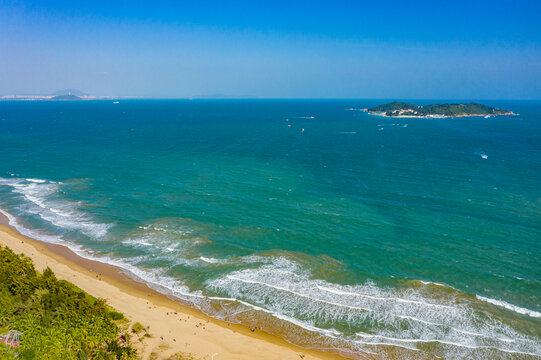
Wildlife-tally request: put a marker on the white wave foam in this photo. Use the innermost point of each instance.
(434, 283)
(511, 307)
(12, 221)
(41, 198)
(169, 241)
(337, 304)
(209, 260)
(39, 181)
(340, 292)
(282, 287)
(399, 340)
(302, 324)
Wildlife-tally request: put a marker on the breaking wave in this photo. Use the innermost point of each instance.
(368, 318)
(41, 199)
(511, 307)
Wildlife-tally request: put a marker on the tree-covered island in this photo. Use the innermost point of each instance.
(401, 109)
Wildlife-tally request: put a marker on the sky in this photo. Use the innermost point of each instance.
(273, 49)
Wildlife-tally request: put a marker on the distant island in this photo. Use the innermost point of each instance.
(66, 94)
(75, 92)
(401, 109)
(65, 97)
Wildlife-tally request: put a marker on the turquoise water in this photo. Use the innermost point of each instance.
(408, 238)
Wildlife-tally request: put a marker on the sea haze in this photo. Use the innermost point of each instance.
(312, 220)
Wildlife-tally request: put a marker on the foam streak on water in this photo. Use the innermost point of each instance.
(404, 318)
(64, 214)
(511, 307)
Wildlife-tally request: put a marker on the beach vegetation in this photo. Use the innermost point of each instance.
(182, 356)
(116, 315)
(137, 328)
(58, 320)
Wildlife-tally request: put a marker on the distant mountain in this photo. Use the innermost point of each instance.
(401, 109)
(65, 97)
(69, 92)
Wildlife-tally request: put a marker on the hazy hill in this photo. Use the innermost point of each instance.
(69, 92)
(65, 97)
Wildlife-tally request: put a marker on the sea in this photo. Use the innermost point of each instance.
(366, 236)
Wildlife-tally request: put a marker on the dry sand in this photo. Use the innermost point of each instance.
(173, 327)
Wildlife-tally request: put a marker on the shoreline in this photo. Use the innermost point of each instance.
(174, 327)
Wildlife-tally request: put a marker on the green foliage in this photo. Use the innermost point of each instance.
(391, 109)
(7, 353)
(461, 109)
(59, 320)
(395, 105)
(137, 328)
(182, 356)
(116, 315)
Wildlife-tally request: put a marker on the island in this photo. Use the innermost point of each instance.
(65, 97)
(401, 109)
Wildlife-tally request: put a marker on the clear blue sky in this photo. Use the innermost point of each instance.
(322, 49)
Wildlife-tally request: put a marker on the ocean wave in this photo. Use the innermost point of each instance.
(511, 307)
(39, 181)
(211, 260)
(40, 197)
(433, 283)
(346, 293)
(392, 316)
(455, 344)
(34, 234)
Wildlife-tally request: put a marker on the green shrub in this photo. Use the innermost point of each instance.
(137, 328)
(116, 315)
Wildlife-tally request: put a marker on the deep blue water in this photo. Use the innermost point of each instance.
(330, 227)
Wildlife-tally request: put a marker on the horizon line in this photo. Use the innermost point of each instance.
(128, 97)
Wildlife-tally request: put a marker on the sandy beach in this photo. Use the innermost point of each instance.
(173, 327)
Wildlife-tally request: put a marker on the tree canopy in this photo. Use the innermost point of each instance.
(59, 320)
